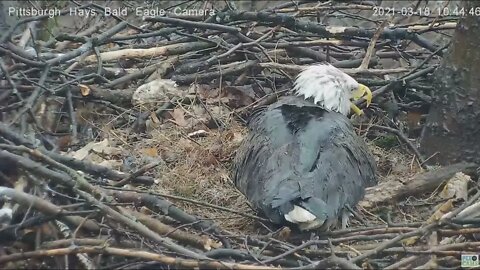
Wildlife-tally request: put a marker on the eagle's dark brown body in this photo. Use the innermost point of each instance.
(297, 153)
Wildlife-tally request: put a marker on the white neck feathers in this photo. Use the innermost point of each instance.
(328, 86)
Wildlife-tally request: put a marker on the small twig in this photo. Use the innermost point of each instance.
(382, 90)
(174, 261)
(239, 46)
(209, 205)
(350, 71)
(371, 47)
(393, 241)
(404, 139)
(77, 183)
(200, 25)
(425, 61)
(329, 263)
(189, 78)
(139, 172)
(30, 102)
(84, 49)
(295, 249)
(46, 208)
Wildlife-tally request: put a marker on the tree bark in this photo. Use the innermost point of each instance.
(452, 130)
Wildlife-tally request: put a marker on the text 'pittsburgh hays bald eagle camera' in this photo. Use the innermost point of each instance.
(302, 161)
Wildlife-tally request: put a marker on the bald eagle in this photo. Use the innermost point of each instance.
(302, 162)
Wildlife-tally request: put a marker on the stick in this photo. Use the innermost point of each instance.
(371, 47)
(49, 209)
(404, 139)
(297, 68)
(174, 261)
(149, 53)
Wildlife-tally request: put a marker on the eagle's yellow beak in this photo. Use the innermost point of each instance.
(359, 93)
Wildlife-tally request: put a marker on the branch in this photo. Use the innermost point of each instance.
(371, 47)
(174, 261)
(404, 139)
(350, 71)
(47, 208)
(200, 25)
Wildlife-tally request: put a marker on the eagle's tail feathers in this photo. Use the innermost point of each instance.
(299, 215)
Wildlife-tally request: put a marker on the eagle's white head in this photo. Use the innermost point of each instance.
(331, 88)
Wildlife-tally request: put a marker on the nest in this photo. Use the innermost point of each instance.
(126, 162)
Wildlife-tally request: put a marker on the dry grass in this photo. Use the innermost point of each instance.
(199, 168)
(193, 168)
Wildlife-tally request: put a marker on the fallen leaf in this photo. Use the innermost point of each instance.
(410, 241)
(236, 97)
(98, 147)
(82, 153)
(178, 116)
(441, 211)
(151, 152)
(104, 147)
(456, 187)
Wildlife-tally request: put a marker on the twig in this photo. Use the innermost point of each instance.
(200, 25)
(404, 139)
(33, 97)
(434, 250)
(150, 52)
(88, 167)
(46, 207)
(84, 49)
(158, 204)
(174, 261)
(293, 250)
(294, 24)
(297, 68)
(384, 89)
(393, 241)
(179, 235)
(186, 79)
(76, 182)
(139, 172)
(320, 8)
(371, 46)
